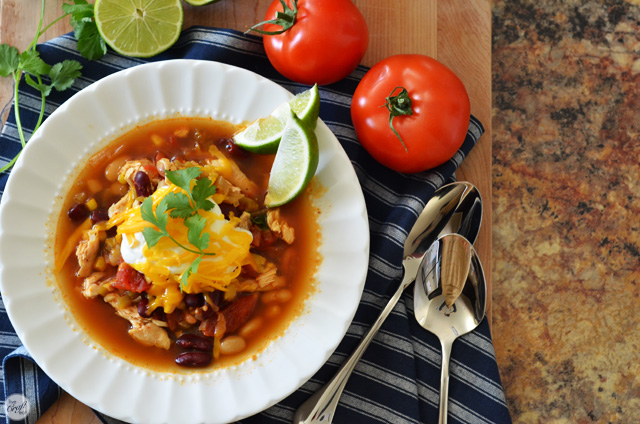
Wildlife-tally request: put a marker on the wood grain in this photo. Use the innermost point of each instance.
(458, 33)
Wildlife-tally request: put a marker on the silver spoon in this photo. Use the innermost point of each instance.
(454, 208)
(449, 298)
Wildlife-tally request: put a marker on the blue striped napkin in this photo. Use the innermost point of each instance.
(398, 378)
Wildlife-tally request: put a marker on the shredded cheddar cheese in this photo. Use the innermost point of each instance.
(164, 263)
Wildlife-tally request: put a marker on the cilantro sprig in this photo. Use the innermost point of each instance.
(182, 205)
(45, 77)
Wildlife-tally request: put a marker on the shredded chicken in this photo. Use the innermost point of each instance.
(131, 167)
(120, 206)
(232, 193)
(149, 334)
(270, 279)
(245, 221)
(143, 330)
(279, 226)
(92, 284)
(111, 252)
(234, 174)
(86, 252)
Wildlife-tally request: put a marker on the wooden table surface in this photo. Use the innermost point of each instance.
(454, 32)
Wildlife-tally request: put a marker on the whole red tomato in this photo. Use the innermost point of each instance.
(324, 43)
(437, 110)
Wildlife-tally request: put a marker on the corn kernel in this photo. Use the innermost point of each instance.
(157, 140)
(123, 302)
(218, 198)
(102, 235)
(92, 204)
(105, 289)
(121, 178)
(100, 264)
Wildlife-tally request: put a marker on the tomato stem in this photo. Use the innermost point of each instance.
(398, 105)
(285, 18)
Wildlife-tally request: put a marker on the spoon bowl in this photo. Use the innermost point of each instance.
(454, 208)
(449, 298)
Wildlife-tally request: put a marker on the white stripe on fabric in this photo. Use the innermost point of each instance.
(385, 195)
(374, 410)
(483, 345)
(389, 230)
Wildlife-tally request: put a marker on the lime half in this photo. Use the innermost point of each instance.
(200, 2)
(139, 28)
(263, 135)
(295, 163)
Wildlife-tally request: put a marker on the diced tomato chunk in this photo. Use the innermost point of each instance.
(128, 278)
(239, 311)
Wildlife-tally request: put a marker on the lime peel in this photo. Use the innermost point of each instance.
(295, 163)
(136, 30)
(263, 136)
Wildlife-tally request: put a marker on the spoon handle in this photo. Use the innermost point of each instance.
(321, 406)
(444, 381)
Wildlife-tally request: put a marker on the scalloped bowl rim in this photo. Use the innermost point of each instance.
(57, 342)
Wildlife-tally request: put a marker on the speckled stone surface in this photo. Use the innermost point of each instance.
(566, 205)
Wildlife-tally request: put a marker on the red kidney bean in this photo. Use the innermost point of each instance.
(195, 342)
(99, 215)
(78, 212)
(142, 307)
(217, 297)
(194, 359)
(142, 184)
(159, 314)
(194, 300)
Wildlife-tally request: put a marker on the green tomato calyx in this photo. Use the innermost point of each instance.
(398, 105)
(285, 18)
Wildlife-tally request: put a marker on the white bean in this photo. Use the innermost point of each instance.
(272, 311)
(112, 170)
(251, 327)
(232, 344)
(279, 296)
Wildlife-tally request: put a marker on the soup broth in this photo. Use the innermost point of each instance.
(228, 318)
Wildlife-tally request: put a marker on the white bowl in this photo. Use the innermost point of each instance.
(31, 205)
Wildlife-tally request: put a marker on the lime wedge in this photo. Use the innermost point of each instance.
(306, 106)
(295, 163)
(200, 2)
(139, 28)
(263, 135)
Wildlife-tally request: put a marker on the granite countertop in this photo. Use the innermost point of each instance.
(566, 202)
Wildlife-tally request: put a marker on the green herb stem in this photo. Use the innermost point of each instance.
(197, 252)
(35, 40)
(17, 76)
(43, 104)
(52, 23)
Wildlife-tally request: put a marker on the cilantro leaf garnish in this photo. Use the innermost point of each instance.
(9, 60)
(31, 62)
(185, 206)
(183, 177)
(193, 268)
(195, 225)
(63, 74)
(179, 205)
(203, 189)
(90, 44)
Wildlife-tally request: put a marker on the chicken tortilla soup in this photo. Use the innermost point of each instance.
(167, 255)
